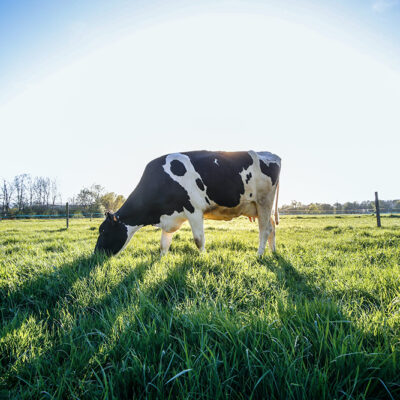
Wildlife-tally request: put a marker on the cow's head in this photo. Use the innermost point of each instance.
(113, 235)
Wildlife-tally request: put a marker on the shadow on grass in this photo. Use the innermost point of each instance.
(97, 353)
(296, 283)
(299, 285)
(48, 299)
(315, 346)
(38, 296)
(54, 230)
(361, 359)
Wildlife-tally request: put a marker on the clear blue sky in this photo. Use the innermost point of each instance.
(91, 91)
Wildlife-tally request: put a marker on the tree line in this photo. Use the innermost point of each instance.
(25, 191)
(28, 195)
(349, 207)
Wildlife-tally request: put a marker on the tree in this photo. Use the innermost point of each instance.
(31, 190)
(313, 208)
(348, 207)
(119, 201)
(85, 197)
(111, 201)
(89, 198)
(338, 207)
(295, 204)
(45, 186)
(7, 192)
(20, 183)
(41, 190)
(54, 191)
(326, 208)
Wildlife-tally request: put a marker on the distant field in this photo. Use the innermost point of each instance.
(318, 320)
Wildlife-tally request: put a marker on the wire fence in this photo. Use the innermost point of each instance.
(364, 211)
(51, 216)
(395, 211)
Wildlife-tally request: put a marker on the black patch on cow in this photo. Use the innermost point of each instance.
(156, 194)
(200, 184)
(248, 177)
(251, 194)
(208, 201)
(272, 170)
(177, 168)
(223, 180)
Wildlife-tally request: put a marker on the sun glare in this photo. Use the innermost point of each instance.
(215, 81)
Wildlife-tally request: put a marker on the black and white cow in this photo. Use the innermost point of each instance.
(192, 186)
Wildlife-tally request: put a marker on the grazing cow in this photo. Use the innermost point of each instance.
(193, 186)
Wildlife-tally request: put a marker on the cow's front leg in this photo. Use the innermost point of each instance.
(197, 224)
(166, 239)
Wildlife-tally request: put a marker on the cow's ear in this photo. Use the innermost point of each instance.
(111, 217)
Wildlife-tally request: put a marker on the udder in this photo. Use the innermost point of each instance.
(247, 209)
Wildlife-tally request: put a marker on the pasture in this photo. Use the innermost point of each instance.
(320, 319)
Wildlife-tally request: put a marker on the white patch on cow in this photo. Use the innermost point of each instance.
(187, 181)
(268, 157)
(131, 231)
(171, 223)
(216, 162)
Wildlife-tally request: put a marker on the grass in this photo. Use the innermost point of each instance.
(320, 319)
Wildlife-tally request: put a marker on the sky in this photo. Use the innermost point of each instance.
(91, 91)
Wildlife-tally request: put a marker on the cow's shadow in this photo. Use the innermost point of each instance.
(296, 283)
(299, 285)
(43, 292)
(47, 299)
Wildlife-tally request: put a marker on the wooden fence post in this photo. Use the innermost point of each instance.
(378, 214)
(67, 213)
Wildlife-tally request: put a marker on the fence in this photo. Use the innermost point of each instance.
(56, 211)
(50, 216)
(6, 216)
(294, 211)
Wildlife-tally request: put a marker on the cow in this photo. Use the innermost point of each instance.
(193, 186)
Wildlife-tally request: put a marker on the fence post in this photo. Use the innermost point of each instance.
(67, 213)
(378, 214)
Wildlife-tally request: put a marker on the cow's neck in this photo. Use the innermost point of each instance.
(130, 212)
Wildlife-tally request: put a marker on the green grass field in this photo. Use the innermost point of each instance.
(320, 319)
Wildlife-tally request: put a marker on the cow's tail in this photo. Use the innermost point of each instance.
(276, 204)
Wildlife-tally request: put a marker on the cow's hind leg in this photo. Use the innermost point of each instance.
(271, 237)
(197, 224)
(264, 226)
(166, 239)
